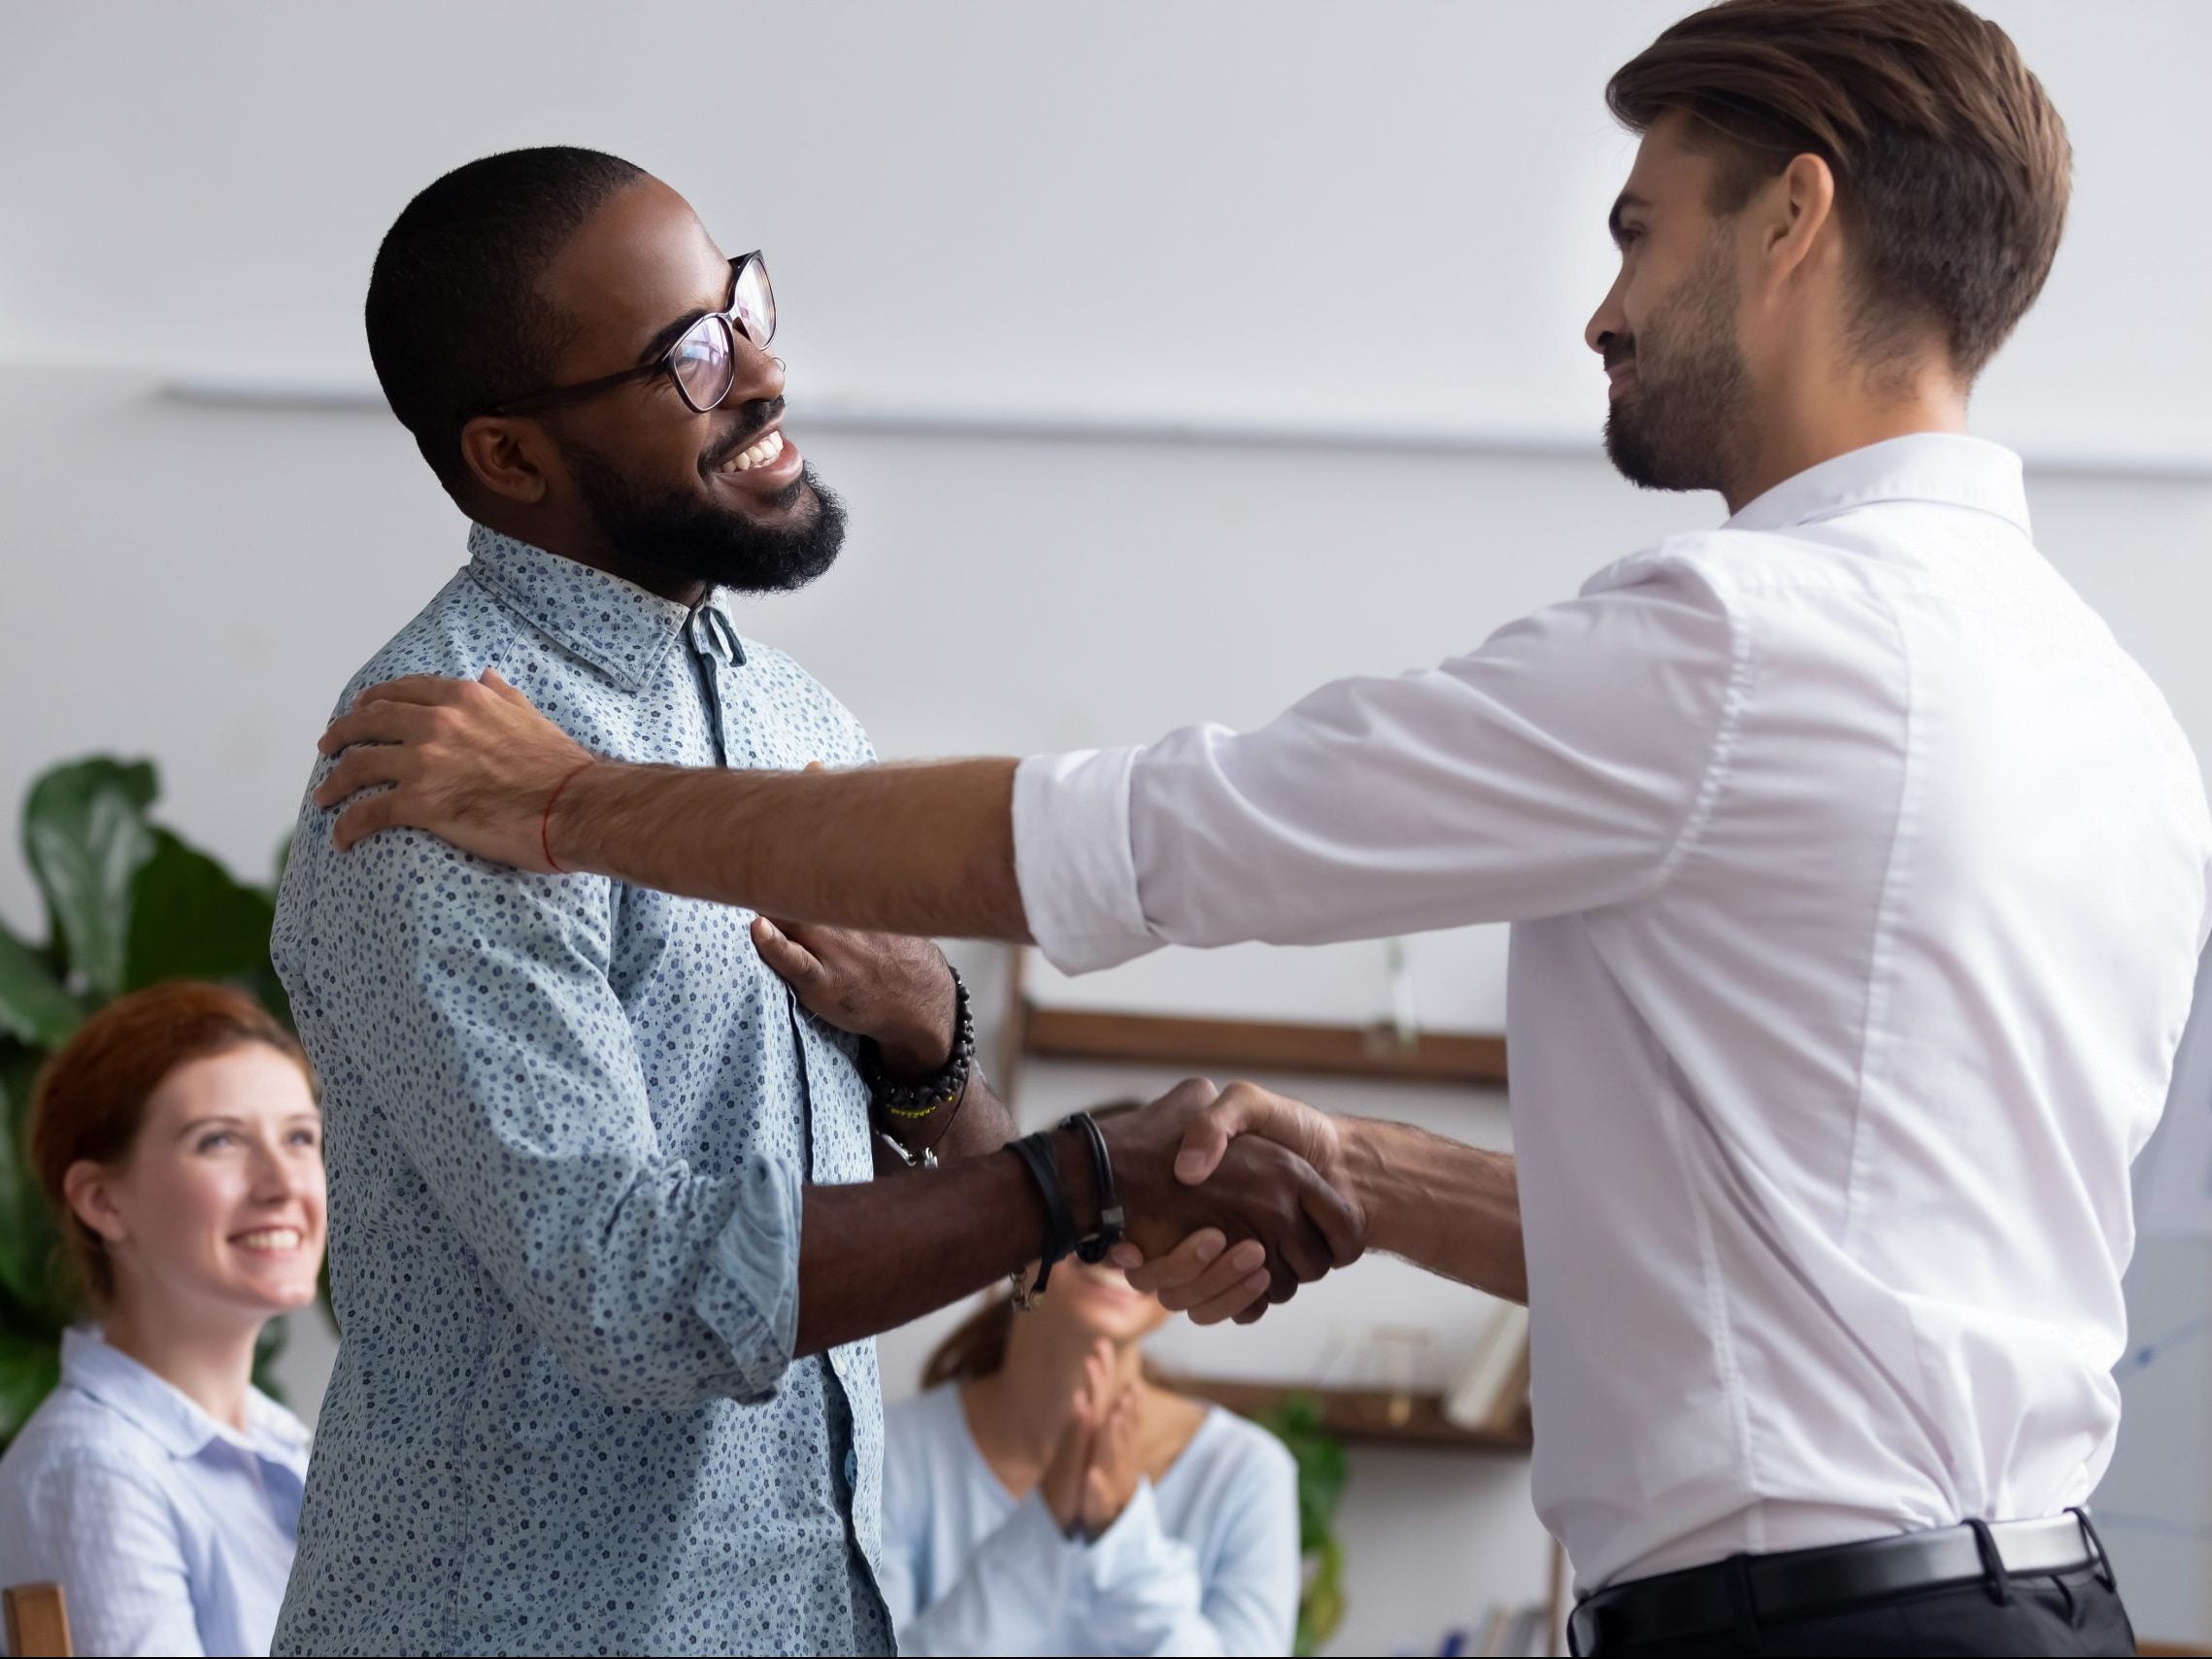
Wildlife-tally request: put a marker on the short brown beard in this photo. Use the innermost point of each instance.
(1680, 423)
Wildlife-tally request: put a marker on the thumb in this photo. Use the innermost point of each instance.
(790, 959)
(497, 682)
(1206, 1140)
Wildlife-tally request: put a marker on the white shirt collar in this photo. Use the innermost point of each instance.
(1949, 468)
(165, 1414)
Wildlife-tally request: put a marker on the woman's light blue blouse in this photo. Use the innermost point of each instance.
(168, 1531)
(1206, 1561)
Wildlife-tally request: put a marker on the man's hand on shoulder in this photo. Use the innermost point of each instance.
(470, 760)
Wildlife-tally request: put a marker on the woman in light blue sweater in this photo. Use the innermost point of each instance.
(1043, 1495)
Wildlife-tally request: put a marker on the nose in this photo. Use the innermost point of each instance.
(277, 1177)
(1606, 323)
(755, 376)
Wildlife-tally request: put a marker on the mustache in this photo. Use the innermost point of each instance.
(1618, 351)
(753, 418)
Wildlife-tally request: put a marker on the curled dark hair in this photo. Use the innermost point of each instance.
(455, 323)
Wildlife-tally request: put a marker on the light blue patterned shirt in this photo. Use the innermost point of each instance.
(566, 1123)
(167, 1531)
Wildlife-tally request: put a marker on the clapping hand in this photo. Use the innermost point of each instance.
(1094, 1469)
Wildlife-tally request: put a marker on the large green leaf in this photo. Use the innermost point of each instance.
(34, 1005)
(266, 1348)
(27, 1239)
(191, 918)
(29, 1368)
(86, 834)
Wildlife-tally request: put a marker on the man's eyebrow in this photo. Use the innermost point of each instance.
(1625, 202)
(659, 344)
(668, 336)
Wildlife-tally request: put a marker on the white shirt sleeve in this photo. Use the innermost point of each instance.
(1013, 1587)
(1561, 766)
(1147, 1595)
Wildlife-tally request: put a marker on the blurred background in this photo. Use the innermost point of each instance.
(1171, 359)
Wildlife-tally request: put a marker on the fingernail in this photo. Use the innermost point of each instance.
(1250, 1254)
(1209, 1248)
(1191, 1167)
(768, 929)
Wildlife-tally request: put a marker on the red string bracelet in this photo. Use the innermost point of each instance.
(545, 819)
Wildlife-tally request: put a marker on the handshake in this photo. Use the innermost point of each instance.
(1233, 1198)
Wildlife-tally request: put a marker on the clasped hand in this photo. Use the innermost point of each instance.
(1234, 1197)
(1095, 1467)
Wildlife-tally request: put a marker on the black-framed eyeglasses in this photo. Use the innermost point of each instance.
(703, 361)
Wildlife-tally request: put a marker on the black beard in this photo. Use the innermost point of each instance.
(1679, 423)
(682, 537)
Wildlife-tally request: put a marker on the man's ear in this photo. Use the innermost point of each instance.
(91, 1199)
(506, 455)
(1797, 207)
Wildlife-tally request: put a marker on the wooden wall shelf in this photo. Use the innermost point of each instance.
(1361, 1416)
(1264, 1047)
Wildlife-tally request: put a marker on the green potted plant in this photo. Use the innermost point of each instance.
(1322, 1471)
(128, 904)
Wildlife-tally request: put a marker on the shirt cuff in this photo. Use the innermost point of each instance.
(1130, 1549)
(749, 1293)
(1073, 860)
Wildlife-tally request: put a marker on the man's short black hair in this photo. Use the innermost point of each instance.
(454, 321)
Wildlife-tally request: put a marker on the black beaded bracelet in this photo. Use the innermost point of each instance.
(921, 1100)
(1094, 1247)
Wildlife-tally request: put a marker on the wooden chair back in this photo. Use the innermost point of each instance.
(37, 1621)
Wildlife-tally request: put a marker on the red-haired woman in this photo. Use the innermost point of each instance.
(177, 1139)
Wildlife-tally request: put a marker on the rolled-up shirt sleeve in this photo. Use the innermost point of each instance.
(479, 1030)
(1560, 766)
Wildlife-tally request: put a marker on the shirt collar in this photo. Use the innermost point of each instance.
(1948, 467)
(162, 1410)
(614, 626)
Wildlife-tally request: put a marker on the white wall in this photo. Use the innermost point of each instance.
(942, 188)
(1390, 212)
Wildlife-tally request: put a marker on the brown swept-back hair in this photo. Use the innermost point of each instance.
(90, 1101)
(1952, 168)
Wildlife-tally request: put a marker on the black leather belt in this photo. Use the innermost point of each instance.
(1746, 1590)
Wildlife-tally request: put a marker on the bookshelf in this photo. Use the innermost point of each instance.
(1360, 1416)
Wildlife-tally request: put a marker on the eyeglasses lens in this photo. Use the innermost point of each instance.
(705, 363)
(756, 302)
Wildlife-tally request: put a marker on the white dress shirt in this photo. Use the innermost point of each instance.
(168, 1531)
(1858, 879)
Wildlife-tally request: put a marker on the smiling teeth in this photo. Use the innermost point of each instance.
(760, 454)
(271, 1239)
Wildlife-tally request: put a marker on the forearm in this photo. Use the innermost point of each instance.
(1452, 1208)
(919, 849)
(876, 1255)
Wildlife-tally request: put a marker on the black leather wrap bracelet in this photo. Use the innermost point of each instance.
(1094, 1246)
(1036, 1154)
